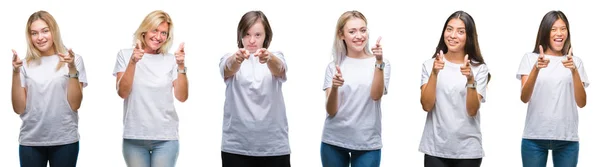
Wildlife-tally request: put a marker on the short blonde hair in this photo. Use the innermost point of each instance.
(33, 54)
(339, 46)
(152, 21)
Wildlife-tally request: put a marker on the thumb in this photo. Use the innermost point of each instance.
(15, 56)
(337, 67)
(181, 47)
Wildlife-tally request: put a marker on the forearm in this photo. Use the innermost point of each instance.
(181, 86)
(74, 91)
(126, 81)
(377, 85)
(473, 102)
(332, 101)
(580, 95)
(276, 66)
(19, 97)
(527, 88)
(428, 93)
(231, 67)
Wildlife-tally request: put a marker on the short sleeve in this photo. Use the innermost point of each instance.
(22, 75)
(481, 78)
(425, 73)
(525, 66)
(174, 69)
(329, 72)
(582, 73)
(81, 69)
(224, 64)
(120, 64)
(386, 76)
(280, 56)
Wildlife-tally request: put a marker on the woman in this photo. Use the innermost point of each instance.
(147, 78)
(255, 130)
(46, 93)
(453, 85)
(354, 83)
(553, 83)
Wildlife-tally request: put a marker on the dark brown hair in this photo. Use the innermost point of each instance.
(249, 19)
(543, 36)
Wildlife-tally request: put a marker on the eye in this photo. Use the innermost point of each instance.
(163, 33)
(363, 30)
(34, 33)
(258, 35)
(461, 32)
(46, 30)
(351, 31)
(553, 30)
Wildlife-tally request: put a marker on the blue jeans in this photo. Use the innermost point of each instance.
(334, 156)
(534, 153)
(146, 153)
(38, 156)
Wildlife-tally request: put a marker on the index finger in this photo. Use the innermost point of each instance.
(337, 67)
(378, 41)
(71, 52)
(15, 56)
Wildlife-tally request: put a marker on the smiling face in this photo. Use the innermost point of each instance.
(558, 36)
(455, 35)
(41, 37)
(155, 38)
(355, 34)
(254, 37)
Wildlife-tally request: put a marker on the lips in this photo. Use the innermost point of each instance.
(452, 43)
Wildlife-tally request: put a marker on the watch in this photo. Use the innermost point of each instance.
(182, 71)
(472, 86)
(76, 75)
(380, 66)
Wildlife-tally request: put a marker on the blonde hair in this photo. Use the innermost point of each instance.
(339, 45)
(33, 54)
(152, 21)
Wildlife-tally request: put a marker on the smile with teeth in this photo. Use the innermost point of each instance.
(452, 42)
(558, 40)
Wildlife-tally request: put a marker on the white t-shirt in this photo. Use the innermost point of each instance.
(449, 130)
(552, 110)
(254, 120)
(357, 124)
(149, 111)
(48, 119)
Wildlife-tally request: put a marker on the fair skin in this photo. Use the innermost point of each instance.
(42, 40)
(356, 36)
(154, 39)
(558, 36)
(455, 38)
(253, 43)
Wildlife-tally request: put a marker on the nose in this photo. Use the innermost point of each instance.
(453, 34)
(39, 37)
(252, 40)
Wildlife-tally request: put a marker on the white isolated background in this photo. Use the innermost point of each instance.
(304, 31)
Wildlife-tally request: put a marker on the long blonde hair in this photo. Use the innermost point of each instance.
(152, 21)
(33, 54)
(339, 46)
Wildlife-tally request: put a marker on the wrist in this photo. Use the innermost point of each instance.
(180, 66)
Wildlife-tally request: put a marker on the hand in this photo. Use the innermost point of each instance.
(438, 63)
(338, 81)
(241, 55)
(465, 69)
(568, 63)
(138, 52)
(542, 62)
(180, 55)
(377, 50)
(263, 55)
(68, 58)
(16, 62)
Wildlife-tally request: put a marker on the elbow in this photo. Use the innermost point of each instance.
(181, 98)
(426, 107)
(376, 97)
(122, 94)
(524, 99)
(581, 104)
(472, 113)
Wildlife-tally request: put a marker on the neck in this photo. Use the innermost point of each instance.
(455, 57)
(49, 52)
(150, 51)
(552, 52)
(355, 54)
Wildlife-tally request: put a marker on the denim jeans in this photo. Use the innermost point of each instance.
(39, 156)
(334, 156)
(146, 153)
(534, 153)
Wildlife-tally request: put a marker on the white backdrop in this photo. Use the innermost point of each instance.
(304, 32)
